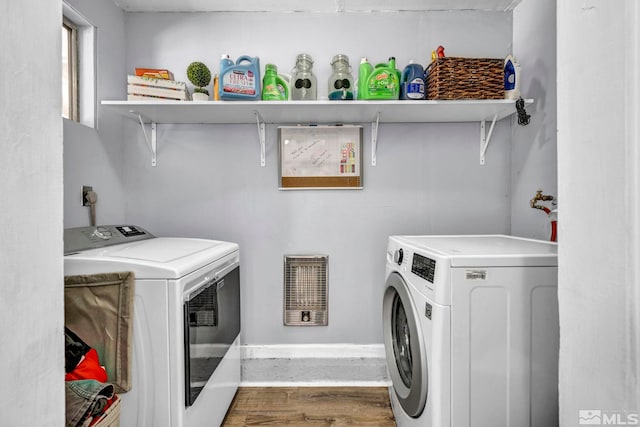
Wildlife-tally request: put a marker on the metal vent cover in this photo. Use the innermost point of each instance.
(306, 290)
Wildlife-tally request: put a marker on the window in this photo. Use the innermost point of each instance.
(78, 67)
(69, 70)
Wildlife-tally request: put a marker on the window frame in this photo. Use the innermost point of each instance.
(72, 69)
(85, 55)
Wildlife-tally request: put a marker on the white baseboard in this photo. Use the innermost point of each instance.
(304, 365)
(315, 384)
(299, 351)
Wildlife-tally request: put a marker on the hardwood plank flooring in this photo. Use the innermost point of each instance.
(310, 406)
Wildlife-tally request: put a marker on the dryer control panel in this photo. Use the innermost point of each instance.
(423, 267)
(84, 238)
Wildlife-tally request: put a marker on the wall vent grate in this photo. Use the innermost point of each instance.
(306, 290)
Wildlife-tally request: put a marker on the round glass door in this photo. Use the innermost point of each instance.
(401, 337)
(404, 347)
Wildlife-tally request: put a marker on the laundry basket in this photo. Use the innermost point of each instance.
(110, 332)
(111, 417)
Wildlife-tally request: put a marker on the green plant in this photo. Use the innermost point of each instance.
(200, 76)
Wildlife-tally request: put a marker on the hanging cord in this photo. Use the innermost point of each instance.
(91, 200)
(523, 117)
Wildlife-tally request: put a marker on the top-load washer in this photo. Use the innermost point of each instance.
(186, 320)
(470, 328)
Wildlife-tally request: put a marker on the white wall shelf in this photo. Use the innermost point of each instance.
(311, 112)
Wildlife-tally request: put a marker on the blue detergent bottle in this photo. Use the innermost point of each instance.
(240, 80)
(413, 84)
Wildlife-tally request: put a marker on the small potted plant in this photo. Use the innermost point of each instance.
(200, 76)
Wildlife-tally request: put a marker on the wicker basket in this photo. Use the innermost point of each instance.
(465, 78)
(111, 417)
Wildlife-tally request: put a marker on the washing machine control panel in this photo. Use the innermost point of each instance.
(423, 267)
(84, 238)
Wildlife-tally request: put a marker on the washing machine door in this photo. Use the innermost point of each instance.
(404, 346)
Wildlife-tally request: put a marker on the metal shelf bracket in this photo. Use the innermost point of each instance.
(374, 139)
(261, 135)
(485, 138)
(152, 144)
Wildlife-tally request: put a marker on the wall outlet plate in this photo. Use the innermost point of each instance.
(85, 190)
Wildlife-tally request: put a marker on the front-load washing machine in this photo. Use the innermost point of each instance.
(470, 328)
(186, 320)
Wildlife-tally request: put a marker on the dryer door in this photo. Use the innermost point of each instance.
(404, 346)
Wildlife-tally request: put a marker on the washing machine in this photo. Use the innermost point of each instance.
(471, 334)
(186, 320)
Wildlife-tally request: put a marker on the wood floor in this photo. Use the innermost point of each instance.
(310, 406)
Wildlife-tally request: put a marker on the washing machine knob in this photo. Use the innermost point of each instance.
(398, 256)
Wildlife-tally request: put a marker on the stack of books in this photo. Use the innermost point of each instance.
(154, 84)
(156, 73)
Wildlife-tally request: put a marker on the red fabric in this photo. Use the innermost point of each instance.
(88, 369)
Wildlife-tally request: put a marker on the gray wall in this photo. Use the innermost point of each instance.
(533, 150)
(173, 40)
(93, 156)
(209, 182)
(31, 320)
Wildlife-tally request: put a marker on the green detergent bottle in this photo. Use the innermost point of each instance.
(392, 64)
(363, 72)
(274, 87)
(379, 82)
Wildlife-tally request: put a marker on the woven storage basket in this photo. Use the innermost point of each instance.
(465, 78)
(111, 417)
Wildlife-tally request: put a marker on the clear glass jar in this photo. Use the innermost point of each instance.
(304, 86)
(341, 80)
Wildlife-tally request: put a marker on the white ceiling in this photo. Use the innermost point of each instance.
(311, 5)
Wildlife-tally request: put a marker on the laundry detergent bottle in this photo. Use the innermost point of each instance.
(341, 80)
(379, 82)
(392, 65)
(274, 87)
(511, 78)
(412, 82)
(239, 80)
(364, 72)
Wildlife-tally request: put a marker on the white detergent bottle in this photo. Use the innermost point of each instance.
(511, 78)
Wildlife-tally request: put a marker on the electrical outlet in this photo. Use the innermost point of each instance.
(85, 190)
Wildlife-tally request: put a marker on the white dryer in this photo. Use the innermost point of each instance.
(470, 328)
(186, 333)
